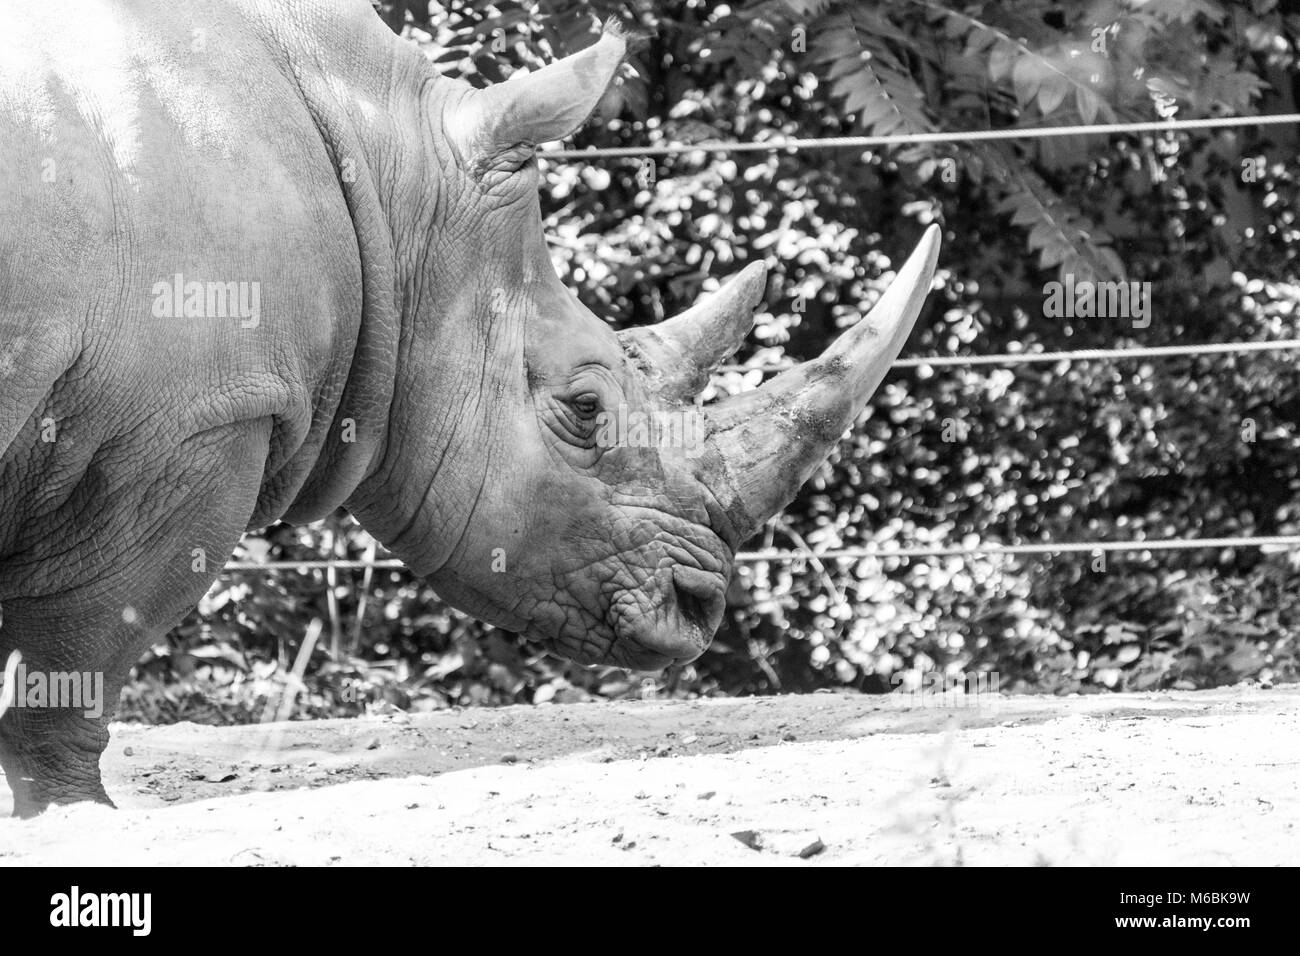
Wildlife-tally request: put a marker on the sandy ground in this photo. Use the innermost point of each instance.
(1207, 778)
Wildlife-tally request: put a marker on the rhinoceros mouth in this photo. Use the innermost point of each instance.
(677, 630)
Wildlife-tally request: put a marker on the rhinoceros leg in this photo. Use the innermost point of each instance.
(51, 755)
(127, 586)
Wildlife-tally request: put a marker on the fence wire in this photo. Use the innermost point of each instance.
(1266, 542)
(1074, 355)
(912, 139)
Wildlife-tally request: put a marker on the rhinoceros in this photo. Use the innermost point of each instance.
(260, 261)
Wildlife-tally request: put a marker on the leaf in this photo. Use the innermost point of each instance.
(1088, 103)
(869, 81)
(1224, 86)
(978, 40)
(1052, 92)
(1026, 77)
(1060, 235)
(1000, 61)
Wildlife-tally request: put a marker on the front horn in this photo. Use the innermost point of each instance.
(766, 443)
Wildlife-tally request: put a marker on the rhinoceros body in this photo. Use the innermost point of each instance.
(258, 262)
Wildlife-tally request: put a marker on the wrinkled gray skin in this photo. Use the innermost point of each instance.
(415, 358)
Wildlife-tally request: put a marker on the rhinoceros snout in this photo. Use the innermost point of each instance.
(691, 610)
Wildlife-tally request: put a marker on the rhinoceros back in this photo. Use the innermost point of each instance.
(176, 253)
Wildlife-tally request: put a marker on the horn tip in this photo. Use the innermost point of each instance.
(753, 280)
(614, 35)
(928, 247)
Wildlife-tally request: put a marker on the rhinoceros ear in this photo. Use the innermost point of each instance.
(538, 107)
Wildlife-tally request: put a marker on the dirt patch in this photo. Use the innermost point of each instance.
(1208, 778)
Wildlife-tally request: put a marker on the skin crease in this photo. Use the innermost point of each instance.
(416, 359)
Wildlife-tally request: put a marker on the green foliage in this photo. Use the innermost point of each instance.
(1086, 451)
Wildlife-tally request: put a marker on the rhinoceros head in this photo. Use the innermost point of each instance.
(598, 506)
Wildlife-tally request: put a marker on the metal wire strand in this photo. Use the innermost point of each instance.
(1074, 355)
(908, 139)
(854, 554)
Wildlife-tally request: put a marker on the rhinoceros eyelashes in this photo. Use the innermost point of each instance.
(539, 107)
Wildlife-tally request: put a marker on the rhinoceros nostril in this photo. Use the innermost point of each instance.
(699, 600)
(692, 608)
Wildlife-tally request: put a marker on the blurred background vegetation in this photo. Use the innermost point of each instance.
(1096, 450)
